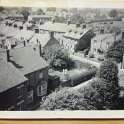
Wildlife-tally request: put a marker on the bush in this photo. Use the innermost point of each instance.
(116, 51)
(109, 72)
(98, 94)
(101, 93)
(83, 77)
(93, 96)
(66, 100)
(61, 61)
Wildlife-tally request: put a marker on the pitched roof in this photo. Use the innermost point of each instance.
(76, 34)
(42, 38)
(9, 76)
(3, 56)
(56, 27)
(100, 37)
(16, 33)
(41, 16)
(27, 60)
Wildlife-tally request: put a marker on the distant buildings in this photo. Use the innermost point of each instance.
(101, 42)
(40, 19)
(70, 36)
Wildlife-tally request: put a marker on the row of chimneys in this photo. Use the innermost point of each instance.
(69, 22)
(8, 51)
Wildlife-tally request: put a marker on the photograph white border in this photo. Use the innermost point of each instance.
(106, 114)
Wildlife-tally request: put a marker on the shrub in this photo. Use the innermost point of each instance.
(87, 75)
(61, 61)
(98, 94)
(93, 96)
(116, 51)
(109, 72)
(66, 100)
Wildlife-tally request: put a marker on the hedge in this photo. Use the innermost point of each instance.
(94, 96)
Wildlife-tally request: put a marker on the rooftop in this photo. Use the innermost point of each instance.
(16, 33)
(56, 27)
(100, 37)
(76, 34)
(42, 38)
(41, 16)
(9, 76)
(27, 60)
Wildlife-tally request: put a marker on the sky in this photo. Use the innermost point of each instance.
(65, 3)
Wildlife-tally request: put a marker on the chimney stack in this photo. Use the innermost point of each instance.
(40, 52)
(84, 26)
(68, 22)
(102, 31)
(8, 55)
(77, 25)
(51, 34)
(24, 42)
(53, 20)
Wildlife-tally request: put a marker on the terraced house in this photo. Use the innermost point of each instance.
(29, 85)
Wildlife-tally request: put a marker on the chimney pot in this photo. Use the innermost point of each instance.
(24, 43)
(8, 55)
(40, 50)
(51, 34)
(77, 25)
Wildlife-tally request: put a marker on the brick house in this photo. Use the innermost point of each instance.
(33, 83)
(101, 42)
(72, 37)
(12, 88)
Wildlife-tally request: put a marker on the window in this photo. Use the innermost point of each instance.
(42, 89)
(20, 91)
(20, 105)
(95, 41)
(41, 76)
(30, 97)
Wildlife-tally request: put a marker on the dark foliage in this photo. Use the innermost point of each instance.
(61, 61)
(116, 51)
(25, 12)
(66, 100)
(113, 13)
(96, 95)
(109, 72)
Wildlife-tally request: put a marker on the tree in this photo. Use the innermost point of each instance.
(25, 12)
(40, 12)
(61, 60)
(66, 100)
(109, 72)
(113, 13)
(1, 9)
(94, 96)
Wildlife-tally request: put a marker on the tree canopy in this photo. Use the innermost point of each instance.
(113, 13)
(25, 12)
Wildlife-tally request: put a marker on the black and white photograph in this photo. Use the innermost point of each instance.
(61, 59)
